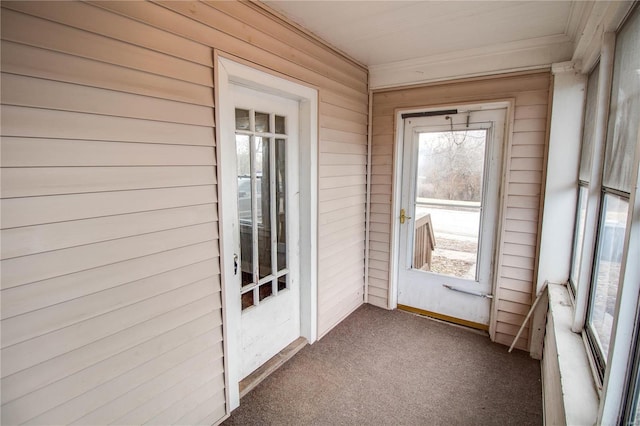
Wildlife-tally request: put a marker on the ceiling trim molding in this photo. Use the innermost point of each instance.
(599, 18)
(579, 11)
(509, 57)
(564, 67)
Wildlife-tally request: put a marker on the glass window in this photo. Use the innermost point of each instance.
(262, 207)
(584, 175)
(280, 128)
(589, 125)
(242, 119)
(263, 174)
(606, 274)
(262, 122)
(624, 111)
(448, 204)
(620, 146)
(281, 202)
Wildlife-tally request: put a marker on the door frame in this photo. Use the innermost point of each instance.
(230, 70)
(396, 198)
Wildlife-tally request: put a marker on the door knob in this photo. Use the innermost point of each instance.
(403, 216)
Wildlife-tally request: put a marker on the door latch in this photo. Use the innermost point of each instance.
(403, 216)
(235, 264)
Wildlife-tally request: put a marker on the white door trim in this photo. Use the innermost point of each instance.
(230, 72)
(396, 200)
(423, 290)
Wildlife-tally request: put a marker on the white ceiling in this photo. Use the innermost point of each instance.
(382, 32)
(412, 39)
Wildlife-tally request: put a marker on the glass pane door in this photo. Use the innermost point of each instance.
(448, 202)
(262, 184)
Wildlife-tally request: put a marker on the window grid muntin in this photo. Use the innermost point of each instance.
(276, 279)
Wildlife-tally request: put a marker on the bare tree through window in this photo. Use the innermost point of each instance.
(449, 190)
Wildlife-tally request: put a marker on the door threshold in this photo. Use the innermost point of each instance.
(445, 318)
(254, 379)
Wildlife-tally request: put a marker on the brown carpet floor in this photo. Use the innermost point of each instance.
(383, 367)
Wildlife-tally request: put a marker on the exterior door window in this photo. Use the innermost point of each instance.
(262, 208)
(260, 159)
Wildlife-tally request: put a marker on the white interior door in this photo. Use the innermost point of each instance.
(448, 222)
(265, 226)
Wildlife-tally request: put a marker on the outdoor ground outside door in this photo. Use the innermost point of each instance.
(451, 174)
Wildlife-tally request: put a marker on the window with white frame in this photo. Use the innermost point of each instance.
(584, 174)
(610, 195)
(617, 175)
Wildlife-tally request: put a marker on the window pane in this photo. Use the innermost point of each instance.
(624, 115)
(280, 125)
(589, 125)
(247, 300)
(607, 269)
(242, 119)
(281, 203)
(282, 283)
(262, 122)
(448, 202)
(263, 174)
(265, 290)
(583, 194)
(243, 156)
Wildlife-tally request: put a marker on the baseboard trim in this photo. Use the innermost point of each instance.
(446, 318)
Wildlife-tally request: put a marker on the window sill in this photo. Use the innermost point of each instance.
(571, 364)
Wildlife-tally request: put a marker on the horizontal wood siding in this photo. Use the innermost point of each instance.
(111, 304)
(518, 239)
(248, 31)
(111, 287)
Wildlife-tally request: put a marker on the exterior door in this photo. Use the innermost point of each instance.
(450, 202)
(265, 230)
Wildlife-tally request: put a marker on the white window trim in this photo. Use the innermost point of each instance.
(563, 160)
(595, 183)
(622, 333)
(614, 386)
(230, 72)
